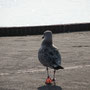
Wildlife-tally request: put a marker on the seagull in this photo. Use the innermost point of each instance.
(49, 55)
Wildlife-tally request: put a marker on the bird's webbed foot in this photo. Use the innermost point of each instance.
(48, 80)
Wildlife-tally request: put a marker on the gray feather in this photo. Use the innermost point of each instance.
(48, 54)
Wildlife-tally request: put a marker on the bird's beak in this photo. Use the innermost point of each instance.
(42, 37)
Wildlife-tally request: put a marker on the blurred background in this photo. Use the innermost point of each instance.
(43, 12)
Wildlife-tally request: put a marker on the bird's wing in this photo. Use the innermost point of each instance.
(52, 56)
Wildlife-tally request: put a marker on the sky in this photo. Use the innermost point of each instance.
(43, 12)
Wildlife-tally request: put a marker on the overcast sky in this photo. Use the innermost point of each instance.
(43, 12)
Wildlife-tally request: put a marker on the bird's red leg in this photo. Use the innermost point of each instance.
(48, 80)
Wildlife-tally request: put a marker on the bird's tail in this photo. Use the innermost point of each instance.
(58, 67)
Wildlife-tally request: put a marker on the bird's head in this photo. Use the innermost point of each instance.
(47, 36)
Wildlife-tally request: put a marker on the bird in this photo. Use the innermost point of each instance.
(49, 56)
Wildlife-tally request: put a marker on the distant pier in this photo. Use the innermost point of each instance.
(36, 30)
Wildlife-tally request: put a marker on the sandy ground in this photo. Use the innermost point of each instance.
(21, 70)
